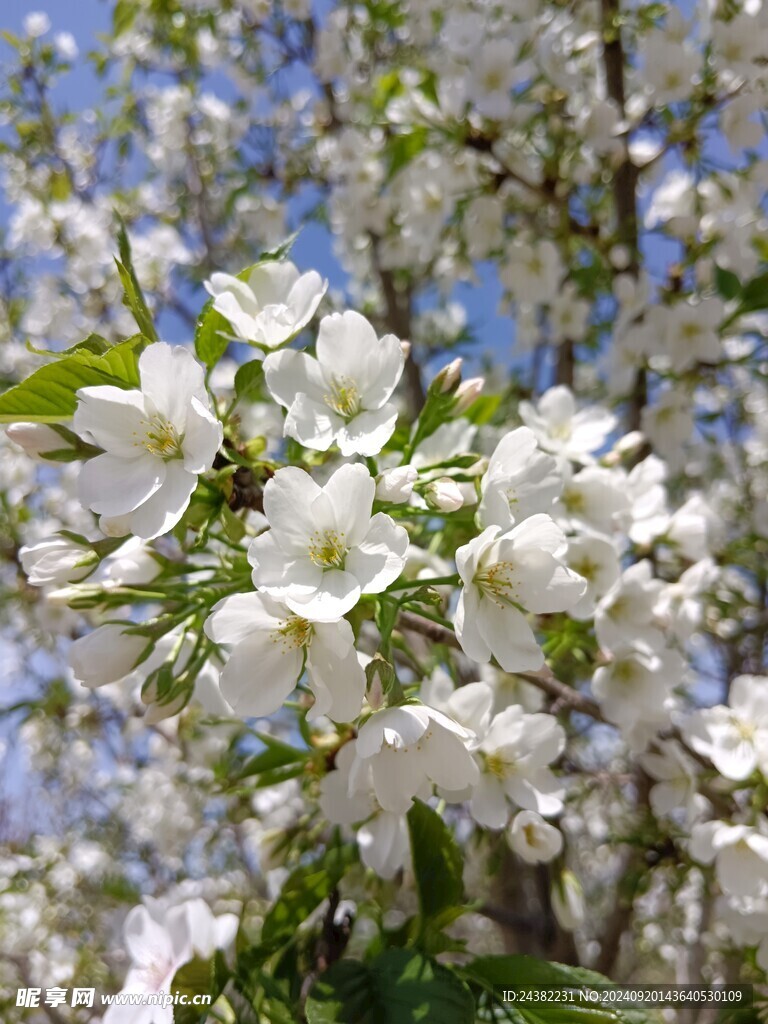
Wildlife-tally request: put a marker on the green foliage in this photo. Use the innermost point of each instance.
(437, 862)
(275, 755)
(489, 976)
(212, 333)
(199, 977)
(727, 283)
(133, 297)
(248, 379)
(398, 987)
(305, 889)
(49, 394)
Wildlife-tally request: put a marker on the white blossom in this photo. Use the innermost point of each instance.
(343, 395)
(734, 738)
(503, 573)
(403, 748)
(324, 549)
(272, 306)
(159, 942)
(562, 429)
(156, 441)
(534, 840)
(272, 645)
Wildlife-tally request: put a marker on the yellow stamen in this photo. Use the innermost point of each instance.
(344, 398)
(328, 549)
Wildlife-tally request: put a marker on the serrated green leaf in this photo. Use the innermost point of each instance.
(437, 862)
(399, 987)
(49, 394)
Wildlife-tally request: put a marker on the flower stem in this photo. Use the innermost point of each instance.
(436, 581)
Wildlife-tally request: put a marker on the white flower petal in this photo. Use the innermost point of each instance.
(111, 418)
(350, 492)
(170, 378)
(202, 438)
(312, 423)
(113, 486)
(234, 618)
(259, 675)
(160, 513)
(380, 557)
(337, 594)
(368, 432)
(288, 498)
(507, 633)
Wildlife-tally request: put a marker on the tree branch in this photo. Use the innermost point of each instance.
(544, 678)
(625, 179)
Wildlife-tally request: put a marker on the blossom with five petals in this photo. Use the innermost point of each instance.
(271, 646)
(272, 306)
(344, 394)
(156, 441)
(504, 574)
(324, 549)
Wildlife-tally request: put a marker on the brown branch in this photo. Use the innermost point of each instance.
(544, 678)
(565, 697)
(625, 179)
(633, 869)
(398, 319)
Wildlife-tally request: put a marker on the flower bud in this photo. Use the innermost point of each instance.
(448, 379)
(396, 485)
(568, 901)
(56, 561)
(466, 393)
(406, 347)
(36, 438)
(630, 442)
(444, 495)
(157, 712)
(255, 448)
(105, 655)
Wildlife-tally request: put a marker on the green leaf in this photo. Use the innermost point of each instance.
(276, 755)
(483, 409)
(744, 1016)
(123, 16)
(526, 972)
(727, 283)
(248, 379)
(437, 861)
(133, 297)
(195, 978)
(305, 889)
(399, 987)
(755, 294)
(406, 147)
(234, 527)
(49, 394)
(212, 335)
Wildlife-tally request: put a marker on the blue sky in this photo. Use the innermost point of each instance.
(85, 19)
